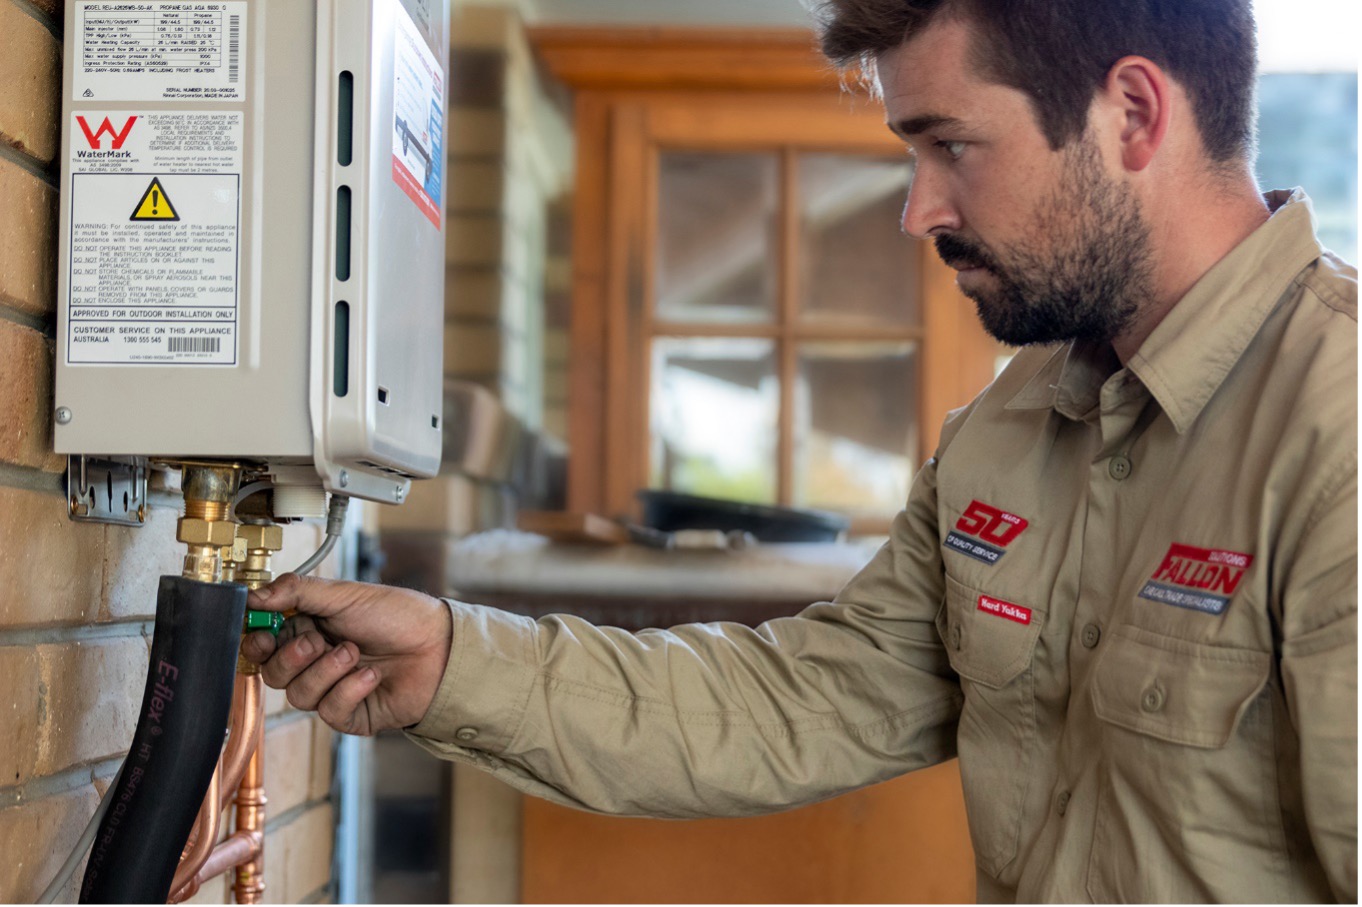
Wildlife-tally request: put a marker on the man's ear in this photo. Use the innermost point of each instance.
(1137, 92)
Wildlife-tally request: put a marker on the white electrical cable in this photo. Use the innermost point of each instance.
(335, 522)
(87, 838)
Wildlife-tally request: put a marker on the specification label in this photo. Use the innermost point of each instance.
(155, 238)
(159, 51)
(418, 116)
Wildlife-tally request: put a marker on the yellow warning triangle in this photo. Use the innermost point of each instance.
(155, 204)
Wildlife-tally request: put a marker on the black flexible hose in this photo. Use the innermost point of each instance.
(175, 749)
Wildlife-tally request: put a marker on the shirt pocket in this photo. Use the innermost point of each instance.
(1188, 776)
(992, 650)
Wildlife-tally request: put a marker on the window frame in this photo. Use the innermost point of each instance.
(639, 92)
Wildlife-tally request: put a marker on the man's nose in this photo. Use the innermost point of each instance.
(928, 208)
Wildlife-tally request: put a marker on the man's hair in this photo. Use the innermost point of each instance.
(1058, 52)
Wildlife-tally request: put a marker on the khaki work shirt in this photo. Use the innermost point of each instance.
(1126, 597)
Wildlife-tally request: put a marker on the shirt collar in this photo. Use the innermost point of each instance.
(1187, 356)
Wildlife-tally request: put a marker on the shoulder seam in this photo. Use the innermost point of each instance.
(1328, 296)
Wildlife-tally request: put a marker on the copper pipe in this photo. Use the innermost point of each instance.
(248, 707)
(241, 743)
(237, 848)
(240, 847)
(204, 836)
(250, 818)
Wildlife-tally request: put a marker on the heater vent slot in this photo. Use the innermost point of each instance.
(386, 469)
(345, 119)
(340, 359)
(343, 233)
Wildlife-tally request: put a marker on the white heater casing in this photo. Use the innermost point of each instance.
(215, 301)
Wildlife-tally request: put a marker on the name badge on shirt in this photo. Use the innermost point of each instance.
(1200, 579)
(983, 532)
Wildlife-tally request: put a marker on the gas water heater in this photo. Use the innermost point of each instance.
(251, 294)
(252, 243)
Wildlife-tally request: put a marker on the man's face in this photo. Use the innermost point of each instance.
(1048, 244)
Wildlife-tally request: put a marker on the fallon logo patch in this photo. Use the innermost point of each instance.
(1200, 579)
(1000, 608)
(983, 532)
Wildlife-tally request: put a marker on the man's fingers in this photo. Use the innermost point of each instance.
(340, 706)
(306, 594)
(259, 646)
(292, 658)
(307, 689)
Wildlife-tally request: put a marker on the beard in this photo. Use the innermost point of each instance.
(1084, 274)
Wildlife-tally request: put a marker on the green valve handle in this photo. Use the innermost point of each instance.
(264, 620)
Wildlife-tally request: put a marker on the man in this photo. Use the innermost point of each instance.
(1124, 590)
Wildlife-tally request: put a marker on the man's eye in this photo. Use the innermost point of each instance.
(952, 149)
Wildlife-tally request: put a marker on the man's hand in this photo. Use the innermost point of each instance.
(366, 658)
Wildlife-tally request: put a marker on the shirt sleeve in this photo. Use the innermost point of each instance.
(714, 719)
(1319, 675)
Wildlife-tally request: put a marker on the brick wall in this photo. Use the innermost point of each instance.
(77, 600)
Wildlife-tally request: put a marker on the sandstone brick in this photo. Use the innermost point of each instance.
(28, 242)
(134, 561)
(36, 838)
(26, 693)
(473, 240)
(475, 186)
(476, 131)
(73, 703)
(323, 760)
(473, 293)
(298, 856)
(26, 399)
(482, 26)
(51, 569)
(473, 349)
(30, 85)
(288, 764)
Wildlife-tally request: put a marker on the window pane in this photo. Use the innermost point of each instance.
(856, 426)
(1307, 137)
(713, 405)
(857, 266)
(716, 238)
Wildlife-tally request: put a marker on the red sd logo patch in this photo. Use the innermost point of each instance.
(1201, 579)
(983, 532)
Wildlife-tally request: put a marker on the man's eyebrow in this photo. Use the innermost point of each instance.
(927, 123)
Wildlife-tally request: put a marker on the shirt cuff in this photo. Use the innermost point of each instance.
(482, 696)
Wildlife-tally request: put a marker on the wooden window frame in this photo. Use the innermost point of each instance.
(636, 91)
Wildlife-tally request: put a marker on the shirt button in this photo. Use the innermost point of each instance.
(1119, 467)
(1062, 802)
(955, 637)
(1152, 699)
(1091, 634)
(466, 734)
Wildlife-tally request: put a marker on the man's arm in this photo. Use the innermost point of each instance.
(699, 720)
(1319, 673)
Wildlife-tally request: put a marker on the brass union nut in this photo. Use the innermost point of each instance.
(270, 538)
(218, 533)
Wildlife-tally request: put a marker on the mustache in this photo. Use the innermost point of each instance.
(961, 253)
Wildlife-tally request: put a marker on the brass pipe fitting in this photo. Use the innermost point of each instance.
(258, 542)
(205, 528)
